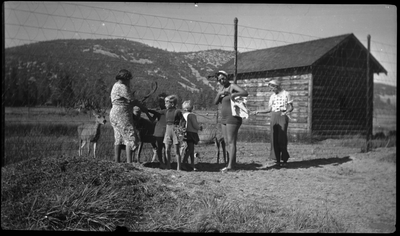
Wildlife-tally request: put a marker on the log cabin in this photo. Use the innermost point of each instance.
(327, 79)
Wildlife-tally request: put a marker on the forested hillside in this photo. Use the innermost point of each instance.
(61, 72)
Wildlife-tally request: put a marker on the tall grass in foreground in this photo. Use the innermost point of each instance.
(76, 194)
(62, 194)
(208, 214)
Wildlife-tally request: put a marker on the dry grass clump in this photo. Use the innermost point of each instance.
(73, 194)
(207, 213)
(222, 215)
(312, 221)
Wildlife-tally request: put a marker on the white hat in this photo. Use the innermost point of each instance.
(274, 82)
(222, 72)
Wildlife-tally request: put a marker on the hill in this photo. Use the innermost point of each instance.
(61, 72)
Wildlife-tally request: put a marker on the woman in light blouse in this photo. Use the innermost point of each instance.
(126, 135)
(280, 104)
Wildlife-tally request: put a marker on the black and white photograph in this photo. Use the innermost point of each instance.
(196, 117)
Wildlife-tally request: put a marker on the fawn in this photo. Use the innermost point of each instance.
(220, 143)
(90, 132)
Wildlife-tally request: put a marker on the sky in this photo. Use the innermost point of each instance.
(192, 27)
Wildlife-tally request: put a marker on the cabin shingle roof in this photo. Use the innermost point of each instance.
(288, 56)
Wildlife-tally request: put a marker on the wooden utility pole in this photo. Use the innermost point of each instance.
(369, 99)
(235, 47)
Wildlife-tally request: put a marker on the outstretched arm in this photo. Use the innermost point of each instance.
(154, 117)
(268, 110)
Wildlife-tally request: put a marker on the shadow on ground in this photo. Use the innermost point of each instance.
(214, 167)
(200, 166)
(304, 164)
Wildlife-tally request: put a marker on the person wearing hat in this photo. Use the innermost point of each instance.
(121, 116)
(229, 124)
(280, 104)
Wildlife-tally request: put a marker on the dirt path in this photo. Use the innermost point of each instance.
(358, 188)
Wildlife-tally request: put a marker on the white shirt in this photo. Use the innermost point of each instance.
(278, 102)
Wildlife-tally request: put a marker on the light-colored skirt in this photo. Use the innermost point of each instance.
(121, 119)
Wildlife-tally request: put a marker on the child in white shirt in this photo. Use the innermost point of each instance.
(192, 128)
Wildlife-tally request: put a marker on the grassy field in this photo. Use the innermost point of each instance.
(46, 186)
(32, 132)
(384, 121)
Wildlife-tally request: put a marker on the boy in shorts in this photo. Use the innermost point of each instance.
(173, 117)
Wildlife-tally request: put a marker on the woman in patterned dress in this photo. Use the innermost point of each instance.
(121, 116)
(280, 104)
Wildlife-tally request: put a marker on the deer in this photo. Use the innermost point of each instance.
(144, 126)
(146, 130)
(219, 142)
(90, 132)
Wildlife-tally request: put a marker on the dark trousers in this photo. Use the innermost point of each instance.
(279, 138)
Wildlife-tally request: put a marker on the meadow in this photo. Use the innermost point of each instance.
(330, 186)
(31, 132)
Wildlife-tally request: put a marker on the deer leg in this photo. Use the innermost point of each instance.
(139, 152)
(153, 144)
(94, 150)
(224, 152)
(217, 147)
(129, 152)
(83, 143)
(88, 147)
(79, 148)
